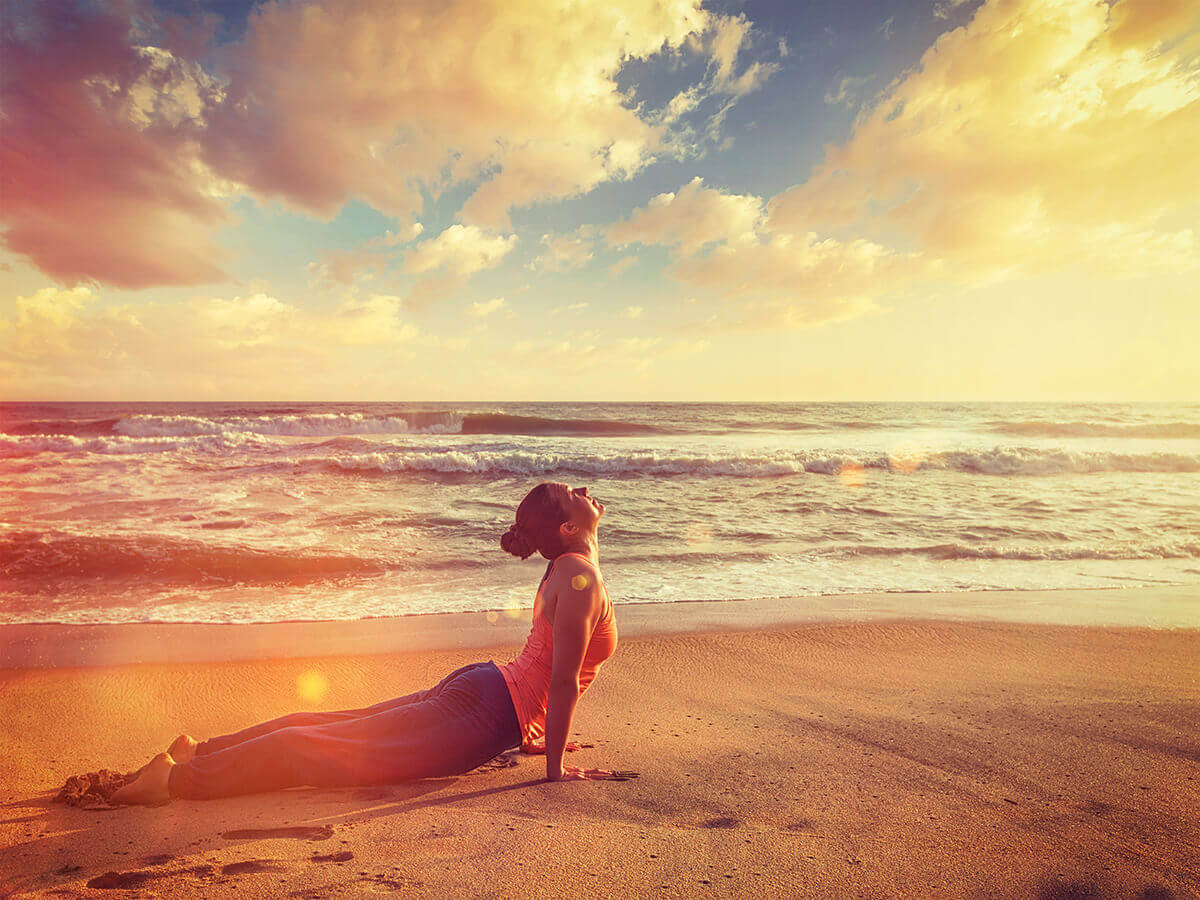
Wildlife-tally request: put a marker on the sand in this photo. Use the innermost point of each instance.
(882, 758)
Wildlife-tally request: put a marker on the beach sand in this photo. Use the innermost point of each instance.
(877, 758)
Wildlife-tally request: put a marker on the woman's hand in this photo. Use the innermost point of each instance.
(574, 773)
(535, 748)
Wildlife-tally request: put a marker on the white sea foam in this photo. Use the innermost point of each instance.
(511, 459)
(314, 424)
(12, 446)
(998, 461)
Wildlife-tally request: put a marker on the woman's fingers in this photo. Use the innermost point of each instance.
(610, 775)
(571, 773)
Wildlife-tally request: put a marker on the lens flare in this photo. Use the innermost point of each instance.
(905, 458)
(311, 687)
(852, 475)
(581, 582)
(492, 616)
(514, 603)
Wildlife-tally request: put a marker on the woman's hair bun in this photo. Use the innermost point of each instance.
(517, 542)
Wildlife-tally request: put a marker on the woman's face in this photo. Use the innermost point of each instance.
(584, 510)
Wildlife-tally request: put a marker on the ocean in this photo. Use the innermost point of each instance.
(261, 512)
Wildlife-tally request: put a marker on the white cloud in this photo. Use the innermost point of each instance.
(565, 251)
(461, 250)
(621, 266)
(728, 37)
(69, 336)
(690, 218)
(483, 308)
(943, 9)
(846, 91)
(633, 312)
(778, 276)
(364, 261)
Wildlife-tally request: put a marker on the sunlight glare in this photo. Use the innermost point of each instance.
(311, 687)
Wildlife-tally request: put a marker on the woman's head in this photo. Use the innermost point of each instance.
(552, 519)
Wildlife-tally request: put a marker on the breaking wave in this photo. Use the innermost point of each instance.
(999, 462)
(332, 424)
(12, 447)
(41, 561)
(1177, 550)
(1099, 429)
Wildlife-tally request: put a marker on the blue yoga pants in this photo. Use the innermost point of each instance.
(451, 728)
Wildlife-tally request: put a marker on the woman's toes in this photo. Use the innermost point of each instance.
(150, 786)
(183, 748)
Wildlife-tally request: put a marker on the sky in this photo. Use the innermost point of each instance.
(600, 200)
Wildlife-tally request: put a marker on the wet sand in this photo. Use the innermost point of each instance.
(882, 758)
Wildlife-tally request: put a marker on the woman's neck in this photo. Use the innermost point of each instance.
(588, 548)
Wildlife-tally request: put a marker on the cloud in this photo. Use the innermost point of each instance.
(123, 151)
(799, 280)
(846, 91)
(586, 353)
(1036, 137)
(777, 276)
(633, 312)
(728, 36)
(365, 260)
(60, 334)
(373, 321)
(566, 251)
(483, 308)
(690, 218)
(943, 9)
(102, 171)
(461, 250)
(570, 307)
(621, 266)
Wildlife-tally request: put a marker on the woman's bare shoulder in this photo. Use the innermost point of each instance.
(570, 565)
(574, 575)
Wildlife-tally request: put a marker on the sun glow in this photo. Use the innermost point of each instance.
(312, 687)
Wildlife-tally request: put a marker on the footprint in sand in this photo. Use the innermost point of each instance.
(300, 832)
(340, 856)
(121, 881)
(250, 866)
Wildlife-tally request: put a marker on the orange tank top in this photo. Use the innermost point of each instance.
(528, 676)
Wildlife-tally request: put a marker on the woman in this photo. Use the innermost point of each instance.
(472, 715)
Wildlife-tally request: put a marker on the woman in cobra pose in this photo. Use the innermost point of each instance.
(470, 716)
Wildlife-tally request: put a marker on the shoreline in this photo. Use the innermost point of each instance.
(56, 645)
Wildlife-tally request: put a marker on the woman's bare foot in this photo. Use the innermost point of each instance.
(150, 787)
(183, 748)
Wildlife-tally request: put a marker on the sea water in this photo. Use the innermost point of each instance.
(253, 512)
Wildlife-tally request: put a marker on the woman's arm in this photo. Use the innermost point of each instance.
(580, 602)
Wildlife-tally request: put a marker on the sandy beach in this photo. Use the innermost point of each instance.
(894, 757)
